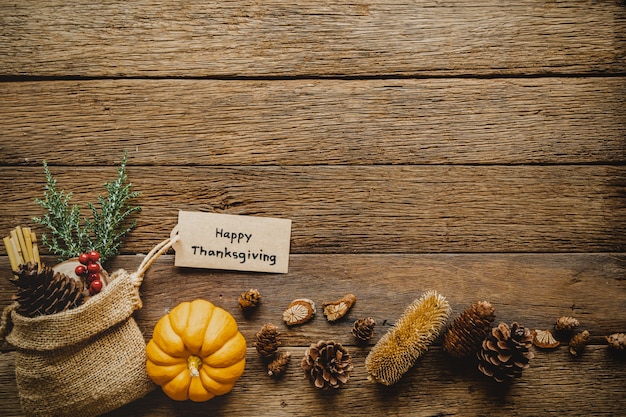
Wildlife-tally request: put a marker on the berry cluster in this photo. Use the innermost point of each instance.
(89, 269)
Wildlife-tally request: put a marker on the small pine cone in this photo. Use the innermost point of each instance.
(505, 352)
(46, 291)
(566, 324)
(277, 367)
(248, 300)
(617, 342)
(363, 329)
(327, 364)
(469, 329)
(578, 342)
(267, 341)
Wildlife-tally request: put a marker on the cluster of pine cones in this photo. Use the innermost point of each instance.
(503, 352)
(267, 343)
(42, 291)
(326, 363)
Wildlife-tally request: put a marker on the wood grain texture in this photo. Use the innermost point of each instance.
(472, 147)
(531, 289)
(376, 209)
(312, 122)
(303, 38)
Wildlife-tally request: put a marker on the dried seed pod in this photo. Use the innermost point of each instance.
(544, 339)
(578, 342)
(398, 350)
(617, 342)
(277, 367)
(248, 300)
(267, 341)
(337, 309)
(299, 311)
(566, 323)
(363, 329)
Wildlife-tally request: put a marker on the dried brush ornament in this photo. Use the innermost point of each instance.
(278, 366)
(337, 309)
(267, 341)
(578, 342)
(363, 329)
(248, 300)
(617, 342)
(327, 364)
(398, 349)
(505, 352)
(464, 337)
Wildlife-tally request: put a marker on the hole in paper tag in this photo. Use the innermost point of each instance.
(226, 241)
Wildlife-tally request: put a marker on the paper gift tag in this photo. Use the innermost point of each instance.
(226, 241)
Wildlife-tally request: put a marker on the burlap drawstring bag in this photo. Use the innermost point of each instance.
(85, 361)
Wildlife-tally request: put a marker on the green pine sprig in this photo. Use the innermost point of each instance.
(70, 235)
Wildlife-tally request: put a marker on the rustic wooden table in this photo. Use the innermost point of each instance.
(471, 147)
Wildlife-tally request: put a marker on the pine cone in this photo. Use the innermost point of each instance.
(46, 292)
(566, 323)
(578, 342)
(363, 329)
(277, 367)
(267, 341)
(327, 364)
(617, 342)
(469, 329)
(248, 300)
(505, 352)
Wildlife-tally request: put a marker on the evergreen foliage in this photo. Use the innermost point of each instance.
(70, 235)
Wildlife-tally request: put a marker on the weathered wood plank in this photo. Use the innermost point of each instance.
(376, 209)
(303, 38)
(532, 289)
(206, 122)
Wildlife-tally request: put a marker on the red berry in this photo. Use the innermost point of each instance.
(83, 258)
(93, 267)
(80, 270)
(95, 287)
(94, 256)
(93, 276)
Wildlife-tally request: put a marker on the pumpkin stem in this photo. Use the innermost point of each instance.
(194, 363)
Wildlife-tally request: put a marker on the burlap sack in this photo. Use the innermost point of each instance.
(85, 361)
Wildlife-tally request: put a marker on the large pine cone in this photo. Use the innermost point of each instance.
(469, 329)
(46, 291)
(327, 364)
(505, 352)
(267, 341)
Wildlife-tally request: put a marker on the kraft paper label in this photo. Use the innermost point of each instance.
(226, 241)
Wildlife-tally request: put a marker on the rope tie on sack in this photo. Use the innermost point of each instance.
(152, 256)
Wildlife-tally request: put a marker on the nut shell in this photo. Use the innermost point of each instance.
(544, 339)
(299, 311)
(337, 309)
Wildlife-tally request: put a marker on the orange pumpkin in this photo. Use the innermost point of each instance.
(196, 352)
